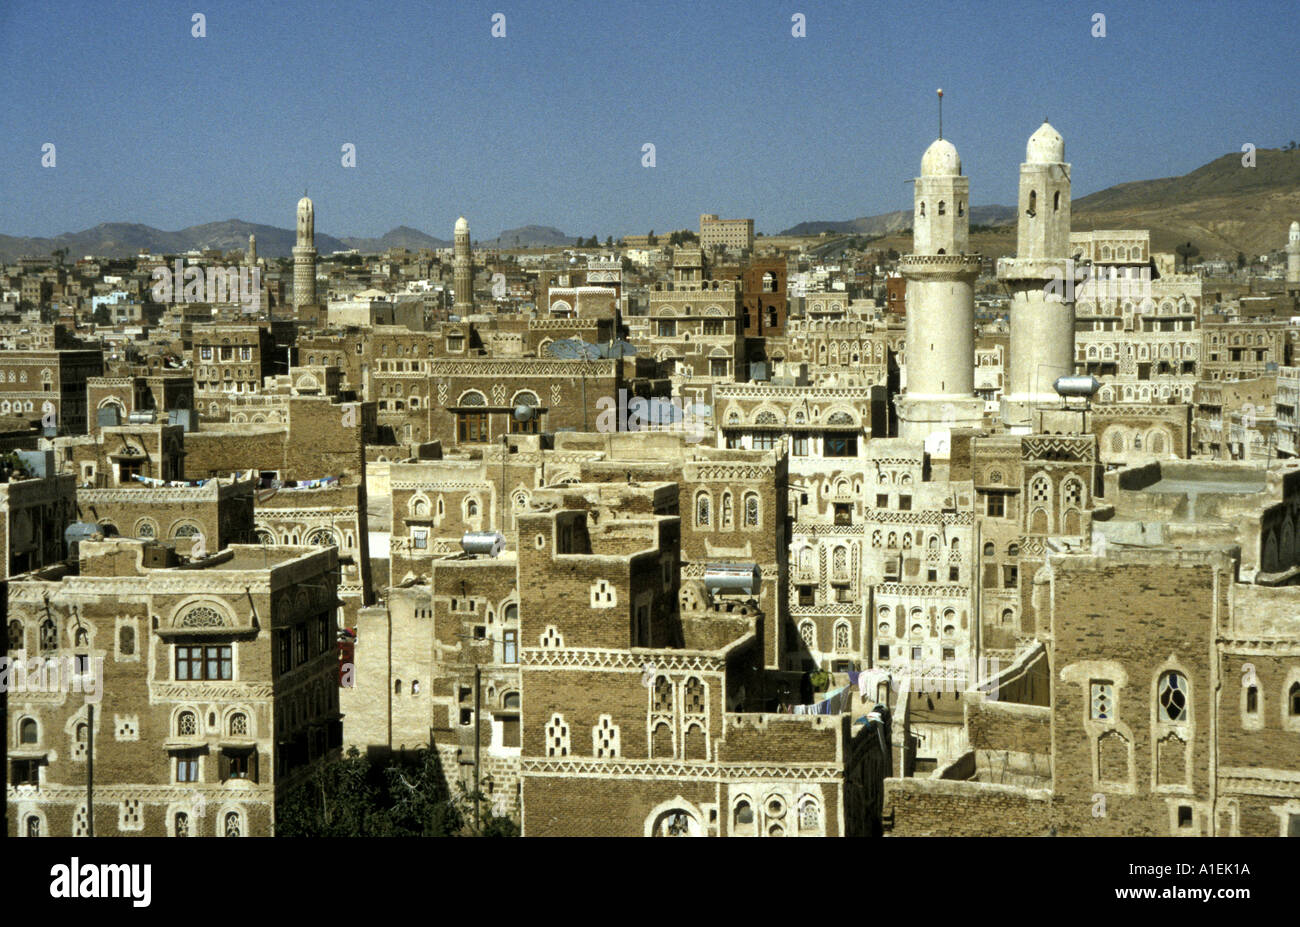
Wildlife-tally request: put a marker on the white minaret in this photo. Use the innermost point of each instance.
(1041, 278)
(252, 251)
(940, 274)
(304, 256)
(1293, 254)
(462, 270)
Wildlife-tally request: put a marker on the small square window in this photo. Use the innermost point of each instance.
(904, 503)
(467, 716)
(949, 654)
(954, 574)
(480, 632)
(1184, 815)
(882, 652)
(882, 500)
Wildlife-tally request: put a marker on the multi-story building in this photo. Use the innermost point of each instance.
(49, 385)
(1134, 330)
(731, 234)
(213, 684)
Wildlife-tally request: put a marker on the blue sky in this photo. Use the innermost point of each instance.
(546, 125)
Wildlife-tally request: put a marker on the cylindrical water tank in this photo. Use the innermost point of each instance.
(1077, 386)
(489, 543)
(732, 577)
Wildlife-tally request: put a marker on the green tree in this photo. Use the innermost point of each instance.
(1187, 252)
(101, 316)
(338, 799)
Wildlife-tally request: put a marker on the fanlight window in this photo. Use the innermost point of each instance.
(1172, 697)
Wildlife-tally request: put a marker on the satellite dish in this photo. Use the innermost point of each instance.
(572, 349)
(523, 413)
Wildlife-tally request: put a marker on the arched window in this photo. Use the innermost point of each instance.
(471, 508)
(842, 637)
(1056, 201)
(1293, 699)
(1033, 203)
(808, 633)
(989, 549)
(49, 635)
(725, 515)
(1172, 697)
(182, 824)
(33, 826)
(703, 510)
(397, 687)
(1013, 549)
(16, 635)
(943, 208)
(751, 510)
(239, 724)
(187, 724)
(80, 638)
(29, 732)
(232, 828)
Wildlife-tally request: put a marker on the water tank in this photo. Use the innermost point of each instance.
(732, 578)
(489, 543)
(142, 417)
(80, 531)
(1077, 386)
(758, 371)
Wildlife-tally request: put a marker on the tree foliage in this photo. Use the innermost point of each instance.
(351, 796)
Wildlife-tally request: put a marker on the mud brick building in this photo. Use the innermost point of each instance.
(218, 686)
(31, 378)
(112, 400)
(34, 512)
(1163, 694)
(475, 400)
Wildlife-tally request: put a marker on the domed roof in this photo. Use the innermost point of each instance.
(462, 225)
(304, 204)
(1045, 146)
(941, 160)
(1295, 231)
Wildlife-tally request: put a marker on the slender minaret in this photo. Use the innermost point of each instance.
(251, 258)
(1293, 254)
(462, 270)
(304, 256)
(940, 274)
(1041, 278)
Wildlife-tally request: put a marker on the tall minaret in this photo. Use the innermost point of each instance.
(462, 270)
(940, 276)
(1293, 254)
(1041, 278)
(304, 256)
(251, 257)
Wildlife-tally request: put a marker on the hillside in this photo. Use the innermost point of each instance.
(1221, 207)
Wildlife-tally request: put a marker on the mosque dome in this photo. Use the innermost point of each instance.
(1045, 146)
(941, 160)
(462, 225)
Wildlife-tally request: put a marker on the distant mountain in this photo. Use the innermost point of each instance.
(401, 237)
(529, 236)
(126, 239)
(1221, 207)
(891, 223)
(122, 239)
